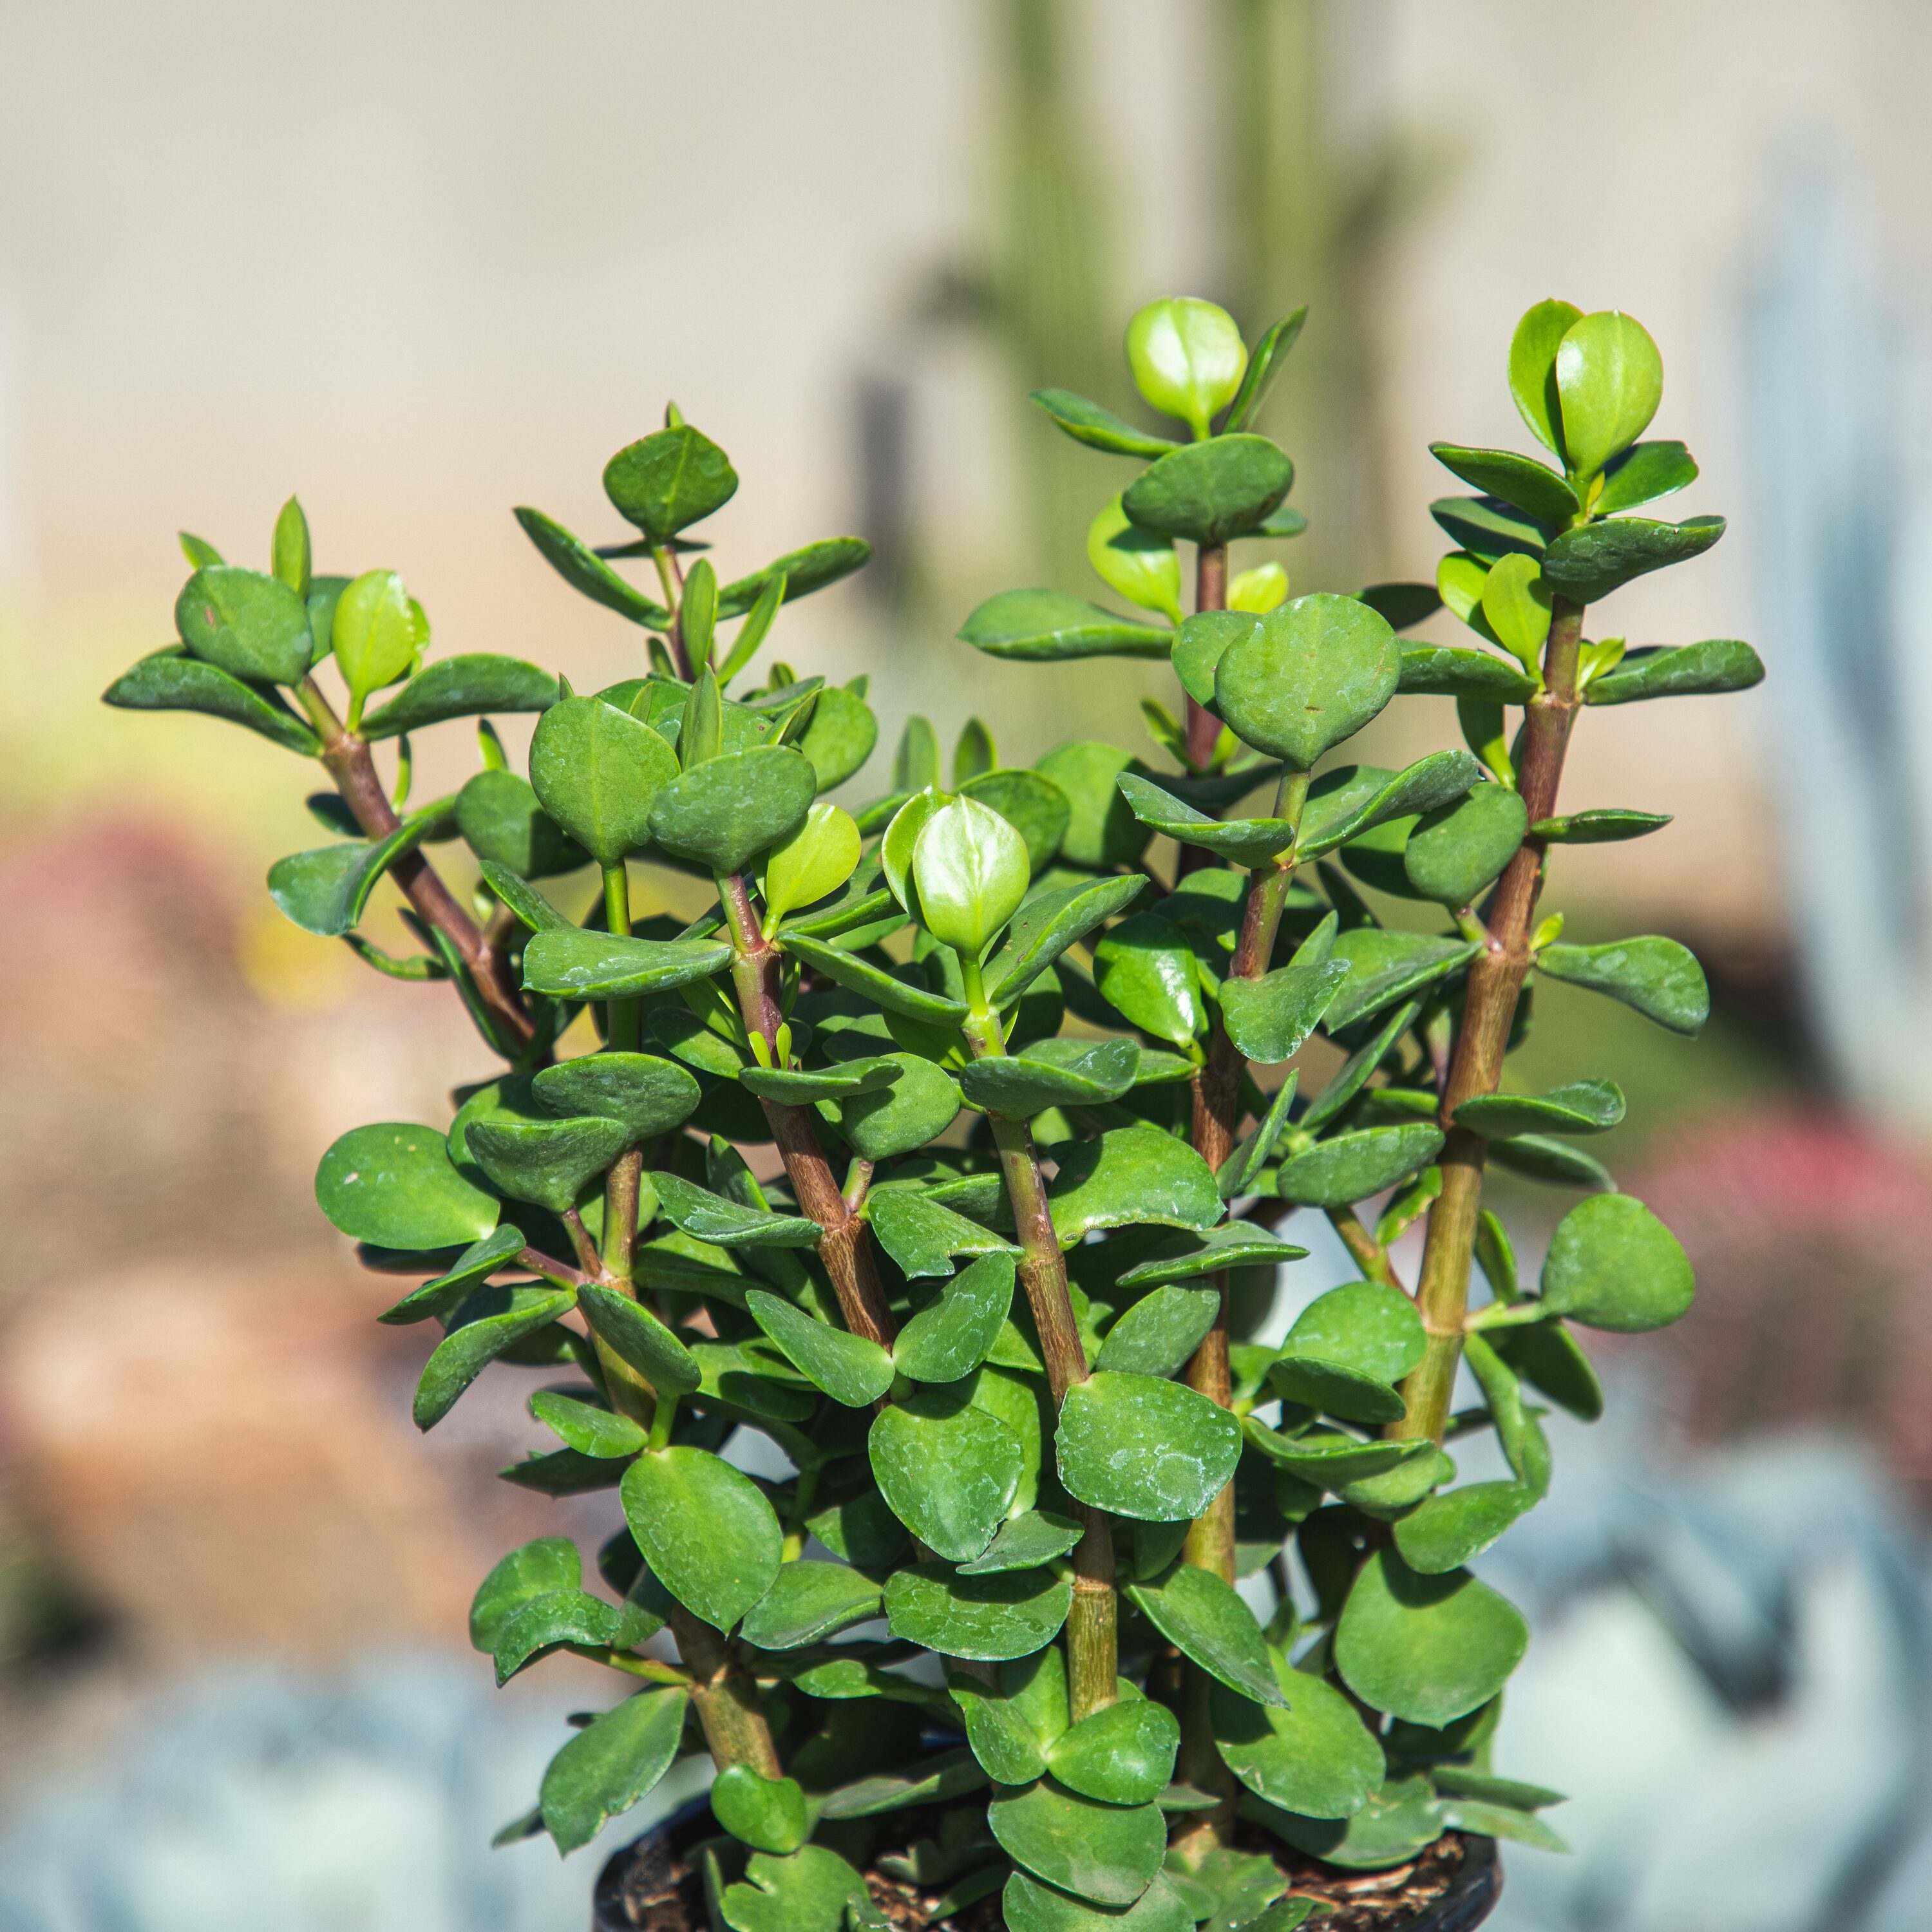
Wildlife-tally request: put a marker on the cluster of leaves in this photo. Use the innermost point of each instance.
(1007, 1350)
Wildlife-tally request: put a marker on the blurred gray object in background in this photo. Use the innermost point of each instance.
(363, 1805)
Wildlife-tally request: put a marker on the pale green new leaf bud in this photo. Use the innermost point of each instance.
(817, 859)
(379, 634)
(970, 867)
(1610, 379)
(1140, 565)
(1258, 590)
(1187, 358)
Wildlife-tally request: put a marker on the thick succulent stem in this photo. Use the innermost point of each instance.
(1489, 1010)
(1092, 1644)
(347, 758)
(844, 1247)
(1204, 728)
(725, 1695)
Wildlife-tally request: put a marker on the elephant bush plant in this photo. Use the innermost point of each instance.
(947, 1152)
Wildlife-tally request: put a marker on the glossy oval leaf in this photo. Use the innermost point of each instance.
(568, 962)
(597, 771)
(632, 1332)
(650, 1096)
(882, 1123)
(947, 1470)
(1101, 832)
(548, 1162)
(610, 1766)
(1609, 380)
(949, 1338)
(1312, 1755)
(1269, 1019)
(1520, 480)
(1210, 492)
(849, 1368)
(1680, 670)
(248, 624)
(666, 481)
(705, 1528)
(1457, 850)
(809, 1601)
(1657, 977)
(1208, 1623)
(1109, 1853)
(1581, 1107)
(1313, 672)
(1428, 1649)
(1038, 626)
(1138, 1446)
(1454, 1527)
(1159, 1333)
(1350, 1167)
(170, 681)
(1131, 1175)
(1122, 1753)
(1586, 564)
(1611, 1263)
(989, 1618)
(726, 810)
(394, 1186)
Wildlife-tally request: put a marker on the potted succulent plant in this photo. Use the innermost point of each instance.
(1021, 1128)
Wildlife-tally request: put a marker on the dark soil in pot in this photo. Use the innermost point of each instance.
(653, 1884)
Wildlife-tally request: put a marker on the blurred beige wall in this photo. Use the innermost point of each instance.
(423, 262)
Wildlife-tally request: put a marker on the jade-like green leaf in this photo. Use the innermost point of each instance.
(1612, 1264)
(1351, 800)
(548, 1162)
(1532, 368)
(1244, 841)
(1006, 1745)
(1330, 1459)
(585, 1427)
(326, 890)
(945, 1774)
(1397, 1823)
(248, 624)
(1426, 1649)
(841, 736)
(883, 1122)
(1131, 1175)
(705, 1530)
(1678, 670)
(1330, 1389)
(1235, 1244)
(1101, 832)
(1488, 529)
(1583, 1107)
(1520, 480)
(492, 1320)
(475, 1265)
(724, 812)
(1021, 1543)
(535, 911)
(542, 1568)
(634, 1333)
(1030, 802)
(473, 684)
(861, 975)
(1098, 428)
(970, 870)
(808, 1602)
(1350, 1167)
(1363, 1325)
(1010, 1613)
(860, 1529)
(565, 1472)
(1453, 671)
(394, 1186)
(1389, 967)
(1644, 472)
(569, 963)
(767, 1814)
(1449, 1529)
(948, 1471)
(376, 633)
(597, 770)
(1210, 492)
(1199, 647)
(813, 863)
(1312, 1755)
(1395, 1492)
(669, 480)
(809, 569)
(1586, 564)
(712, 1217)
(811, 1891)
(922, 1237)
(795, 1089)
(1122, 1753)
(1138, 1446)
(584, 570)
(1269, 353)
(1312, 673)
(500, 819)
(1658, 977)
(570, 1617)
(1516, 604)
(1546, 1355)
(1186, 357)
(1609, 379)
(1039, 625)
(1047, 925)
(1135, 563)
(1052, 1073)
(1269, 1019)
(169, 680)
(1109, 1853)
(650, 1096)
(1599, 828)
(1158, 1334)
(610, 1765)
(1027, 1906)
(1458, 849)
(848, 1368)
(952, 1336)
(1144, 970)
(1207, 1622)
